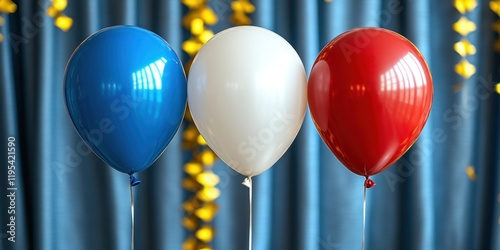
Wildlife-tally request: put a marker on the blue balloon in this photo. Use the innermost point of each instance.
(125, 90)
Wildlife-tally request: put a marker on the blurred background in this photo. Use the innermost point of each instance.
(443, 194)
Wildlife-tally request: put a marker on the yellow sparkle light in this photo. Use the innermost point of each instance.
(1, 21)
(240, 18)
(495, 7)
(190, 206)
(1, 37)
(7, 6)
(243, 6)
(190, 184)
(208, 178)
(208, 194)
(200, 140)
(207, 157)
(192, 4)
(186, 20)
(465, 5)
(471, 173)
(205, 36)
(191, 46)
(190, 133)
(190, 222)
(59, 5)
(496, 26)
(52, 12)
(208, 15)
(464, 48)
(63, 22)
(465, 69)
(497, 89)
(464, 26)
(190, 244)
(205, 233)
(207, 212)
(193, 168)
(496, 45)
(197, 26)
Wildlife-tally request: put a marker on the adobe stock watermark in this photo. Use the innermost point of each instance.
(222, 8)
(257, 142)
(364, 38)
(328, 244)
(11, 188)
(250, 147)
(225, 176)
(75, 155)
(455, 117)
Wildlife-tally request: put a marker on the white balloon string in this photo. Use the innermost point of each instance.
(248, 183)
(364, 218)
(132, 213)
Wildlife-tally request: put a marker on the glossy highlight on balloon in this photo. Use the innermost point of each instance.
(125, 91)
(370, 94)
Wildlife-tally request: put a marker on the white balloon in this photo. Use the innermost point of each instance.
(247, 92)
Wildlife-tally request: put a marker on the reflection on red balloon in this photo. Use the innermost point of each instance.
(370, 94)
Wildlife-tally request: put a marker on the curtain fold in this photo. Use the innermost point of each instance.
(67, 198)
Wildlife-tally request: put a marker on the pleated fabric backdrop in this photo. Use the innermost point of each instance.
(66, 198)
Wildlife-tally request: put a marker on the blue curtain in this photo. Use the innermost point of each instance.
(66, 198)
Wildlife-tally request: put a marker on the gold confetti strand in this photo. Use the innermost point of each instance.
(55, 10)
(464, 47)
(496, 27)
(241, 10)
(495, 7)
(201, 207)
(201, 181)
(6, 7)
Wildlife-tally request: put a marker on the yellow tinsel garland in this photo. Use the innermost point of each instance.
(55, 10)
(495, 7)
(201, 208)
(241, 9)
(464, 47)
(6, 6)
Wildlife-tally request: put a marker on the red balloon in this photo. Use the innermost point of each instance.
(370, 94)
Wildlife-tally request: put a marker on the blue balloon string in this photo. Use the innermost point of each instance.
(132, 238)
(134, 181)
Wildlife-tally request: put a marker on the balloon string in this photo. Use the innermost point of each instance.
(248, 183)
(133, 182)
(364, 218)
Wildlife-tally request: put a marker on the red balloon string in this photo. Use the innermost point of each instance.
(369, 183)
(364, 218)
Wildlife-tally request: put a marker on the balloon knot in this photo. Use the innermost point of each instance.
(369, 183)
(134, 181)
(247, 182)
